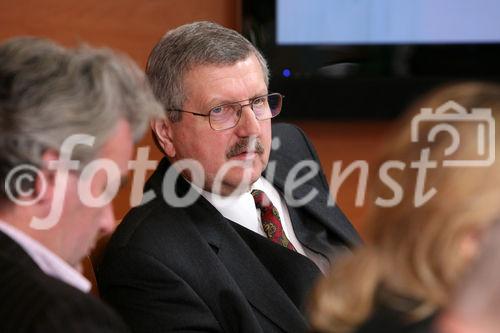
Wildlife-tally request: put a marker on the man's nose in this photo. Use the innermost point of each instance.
(248, 124)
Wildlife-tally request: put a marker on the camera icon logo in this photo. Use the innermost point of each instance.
(450, 113)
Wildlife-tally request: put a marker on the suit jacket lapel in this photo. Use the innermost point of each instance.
(294, 272)
(257, 284)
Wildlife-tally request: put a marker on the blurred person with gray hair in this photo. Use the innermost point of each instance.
(68, 122)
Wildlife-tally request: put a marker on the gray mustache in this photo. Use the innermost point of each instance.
(242, 146)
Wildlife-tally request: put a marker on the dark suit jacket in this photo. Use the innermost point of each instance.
(31, 301)
(191, 269)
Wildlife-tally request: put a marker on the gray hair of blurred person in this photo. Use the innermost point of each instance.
(48, 93)
(191, 45)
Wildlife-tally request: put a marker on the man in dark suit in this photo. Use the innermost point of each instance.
(216, 246)
(68, 119)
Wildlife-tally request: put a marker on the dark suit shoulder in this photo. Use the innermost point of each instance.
(152, 225)
(295, 158)
(153, 255)
(167, 237)
(293, 142)
(40, 303)
(291, 146)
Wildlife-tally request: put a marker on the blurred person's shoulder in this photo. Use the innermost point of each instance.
(388, 319)
(36, 302)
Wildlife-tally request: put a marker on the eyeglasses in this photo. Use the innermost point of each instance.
(227, 116)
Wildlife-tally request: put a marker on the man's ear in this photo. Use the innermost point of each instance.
(45, 181)
(162, 129)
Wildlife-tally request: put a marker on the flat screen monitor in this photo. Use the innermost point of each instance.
(365, 22)
(332, 58)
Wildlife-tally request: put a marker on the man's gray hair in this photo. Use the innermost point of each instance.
(48, 93)
(190, 45)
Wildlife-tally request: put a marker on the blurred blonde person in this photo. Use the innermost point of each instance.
(415, 253)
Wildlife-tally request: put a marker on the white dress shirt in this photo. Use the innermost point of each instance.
(50, 263)
(241, 209)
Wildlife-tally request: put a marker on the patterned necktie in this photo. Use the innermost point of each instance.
(271, 220)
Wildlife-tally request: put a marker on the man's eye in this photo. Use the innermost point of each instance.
(259, 101)
(217, 110)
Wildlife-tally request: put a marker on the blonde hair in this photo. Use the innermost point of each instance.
(416, 252)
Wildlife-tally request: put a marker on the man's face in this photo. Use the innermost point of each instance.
(80, 225)
(206, 87)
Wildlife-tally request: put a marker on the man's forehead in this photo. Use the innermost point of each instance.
(212, 83)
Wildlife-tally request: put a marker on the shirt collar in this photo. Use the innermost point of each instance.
(220, 201)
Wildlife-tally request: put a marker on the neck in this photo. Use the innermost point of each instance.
(21, 217)
(225, 190)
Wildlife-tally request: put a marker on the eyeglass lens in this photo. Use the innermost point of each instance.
(228, 115)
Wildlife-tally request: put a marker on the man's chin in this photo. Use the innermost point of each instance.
(236, 183)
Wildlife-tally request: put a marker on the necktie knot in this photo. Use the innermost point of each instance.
(270, 219)
(261, 199)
